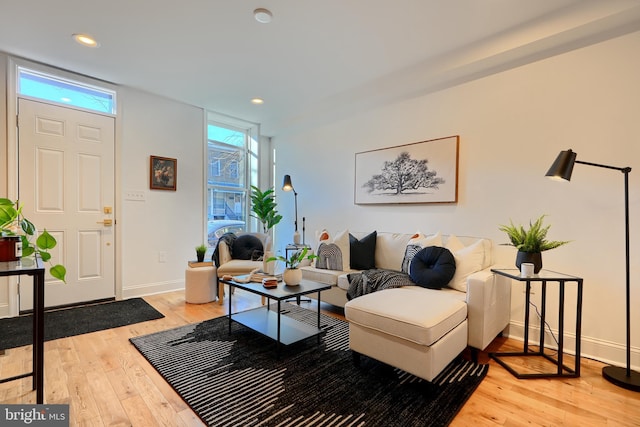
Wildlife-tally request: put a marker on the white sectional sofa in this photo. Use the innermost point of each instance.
(417, 329)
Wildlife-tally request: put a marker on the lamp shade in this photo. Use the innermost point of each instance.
(286, 184)
(562, 167)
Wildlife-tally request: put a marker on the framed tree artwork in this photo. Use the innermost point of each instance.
(163, 173)
(421, 172)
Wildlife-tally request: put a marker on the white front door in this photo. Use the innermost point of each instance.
(66, 184)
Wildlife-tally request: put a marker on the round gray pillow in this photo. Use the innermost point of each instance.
(433, 267)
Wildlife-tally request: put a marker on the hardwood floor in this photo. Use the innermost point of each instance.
(107, 382)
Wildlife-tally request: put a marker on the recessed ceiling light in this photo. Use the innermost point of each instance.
(257, 101)
(86, 40)
(262, 15)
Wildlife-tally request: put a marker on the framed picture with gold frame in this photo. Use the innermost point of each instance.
(163, 173)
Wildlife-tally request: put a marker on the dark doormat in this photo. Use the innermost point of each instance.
(18, 331)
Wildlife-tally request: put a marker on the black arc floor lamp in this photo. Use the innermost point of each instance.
(288, 186)
(561, 169)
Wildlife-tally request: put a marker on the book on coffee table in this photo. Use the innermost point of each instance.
(257, 276)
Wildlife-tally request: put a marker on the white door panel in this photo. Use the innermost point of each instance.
(66, 183)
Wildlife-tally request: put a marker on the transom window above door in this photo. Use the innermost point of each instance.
(65, 92)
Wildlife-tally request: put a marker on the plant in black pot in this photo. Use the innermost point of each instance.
(200, 251)
(530, 242)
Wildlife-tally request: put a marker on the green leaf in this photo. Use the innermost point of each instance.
(27, 226)
(59, 272)
(532, 240)
(46, 256)
(263, 205)
(8, 214)
(27, 250)
(46, 241)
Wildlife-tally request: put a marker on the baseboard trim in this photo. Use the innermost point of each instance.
(592, 348)
(4, 310)
(152, 288)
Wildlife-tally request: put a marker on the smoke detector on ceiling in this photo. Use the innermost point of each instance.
(263, 16)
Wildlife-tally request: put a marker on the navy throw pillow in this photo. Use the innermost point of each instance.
(363, 251)
(433, 267)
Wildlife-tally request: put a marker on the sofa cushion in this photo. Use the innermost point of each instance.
(237, 267)
(390, 250)
(420, 315)
(433, 267)
(322, 275)
(417, 242)
(333, 253)
(362, 252)
(247, 246)
(468, 260)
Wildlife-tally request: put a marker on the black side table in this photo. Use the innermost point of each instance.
(545, 276)
(34, 268)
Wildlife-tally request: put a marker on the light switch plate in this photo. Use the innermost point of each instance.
(137, 196)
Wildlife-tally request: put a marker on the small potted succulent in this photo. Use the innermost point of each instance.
(530, 242)
(16, 231)
(292, 274)
(200, 251)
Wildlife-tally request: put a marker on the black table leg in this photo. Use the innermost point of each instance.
(38, 336)
(230, 293)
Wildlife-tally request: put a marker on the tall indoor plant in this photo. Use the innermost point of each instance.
(530, 242)
(263, 205)
(13, 223)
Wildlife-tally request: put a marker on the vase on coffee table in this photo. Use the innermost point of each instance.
(292, 276)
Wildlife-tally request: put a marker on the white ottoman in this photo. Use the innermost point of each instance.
(200, 284)
(415, 329)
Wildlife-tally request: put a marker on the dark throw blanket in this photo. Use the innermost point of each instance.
(227, 238)
(375, 280)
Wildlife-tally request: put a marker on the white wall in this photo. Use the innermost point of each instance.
(165, 222)
(511, 126)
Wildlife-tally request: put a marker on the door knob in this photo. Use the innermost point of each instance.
(106, 222)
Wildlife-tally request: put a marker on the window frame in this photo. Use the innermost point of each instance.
(80, 86)
(251, 160)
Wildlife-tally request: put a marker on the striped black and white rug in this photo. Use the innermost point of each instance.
(239, 380)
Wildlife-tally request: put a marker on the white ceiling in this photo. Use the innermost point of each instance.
(316, 60)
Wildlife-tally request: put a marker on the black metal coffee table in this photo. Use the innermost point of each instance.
(283, 329)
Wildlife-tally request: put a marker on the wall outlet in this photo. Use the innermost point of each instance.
(137, 196)
(162, 256)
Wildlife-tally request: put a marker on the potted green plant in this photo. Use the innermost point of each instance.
(292, 274)
(14, 225)
(530, 242)
(200, 251)
(263, 205)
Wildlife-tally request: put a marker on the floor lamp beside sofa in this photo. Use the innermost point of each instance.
(561, 169)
